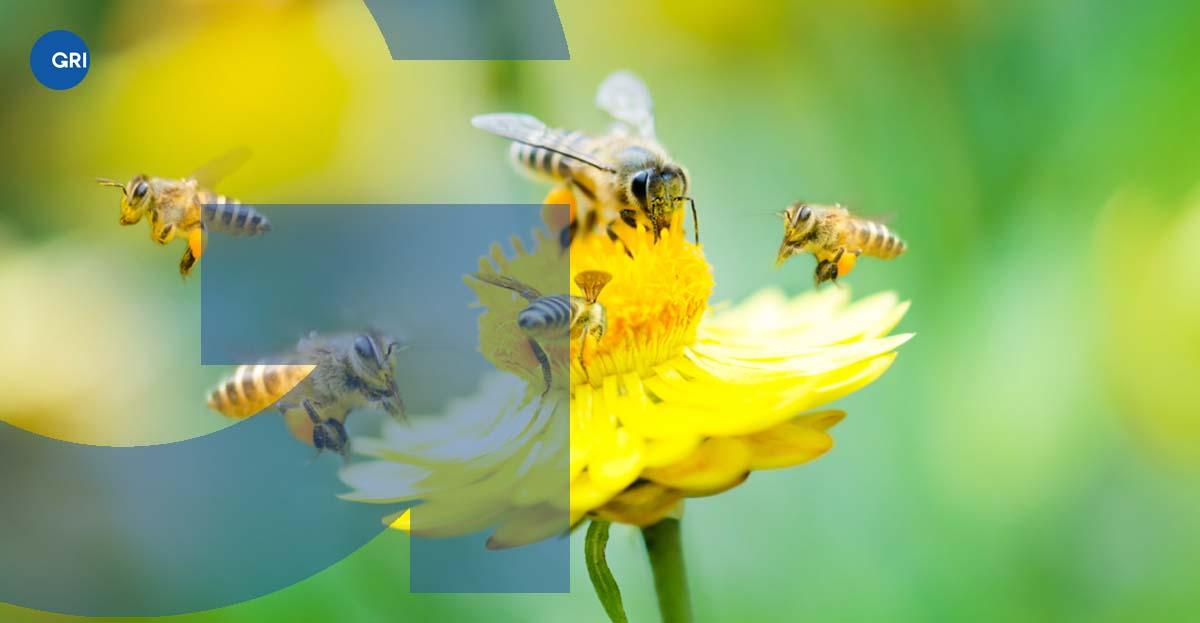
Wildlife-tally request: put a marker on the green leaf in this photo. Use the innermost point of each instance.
(602, 578)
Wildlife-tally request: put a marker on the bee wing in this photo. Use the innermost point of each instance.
(221, 167)
(884, 218)
(529, 292)
(530, 130)
(625, 97)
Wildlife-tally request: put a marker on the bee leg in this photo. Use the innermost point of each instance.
(311, 411)
(582, 345)
(572, 190)
(162, 234)
(318, 433)
(186, 262)
(567, 235)
(612, 235)
(836, 267)
(336, 438)
(195, 249)
(544, 361)
(328, 433)
(826, 271)
(629, 217)
(196, 241)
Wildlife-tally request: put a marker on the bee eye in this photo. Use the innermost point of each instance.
(139, 190)
(638, 185)
(364, 348)
(805, 212)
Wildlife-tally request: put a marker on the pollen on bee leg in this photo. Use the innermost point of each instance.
(196, 242)
(846, 264)
(561, 195)
(300, 425)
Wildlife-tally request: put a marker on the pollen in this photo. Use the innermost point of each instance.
(658, 294)
(196, 242)
(846, 264)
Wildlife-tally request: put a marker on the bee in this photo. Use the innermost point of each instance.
(835, 237)
(187, 208)
(624, 174)
(331, 377)
(558, 315)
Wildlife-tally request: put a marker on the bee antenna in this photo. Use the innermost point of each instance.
(104, 181)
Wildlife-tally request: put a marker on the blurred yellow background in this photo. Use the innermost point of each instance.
(1034, 454)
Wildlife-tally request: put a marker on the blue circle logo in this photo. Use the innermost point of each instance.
(59, 59)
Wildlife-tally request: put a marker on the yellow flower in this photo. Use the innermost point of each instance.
(676, 400)
(675, 403)
(503, 470)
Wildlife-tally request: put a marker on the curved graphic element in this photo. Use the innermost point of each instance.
(211, 521)
(470, 29)
(169, 529)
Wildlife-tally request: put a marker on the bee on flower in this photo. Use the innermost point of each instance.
(624, 176)
(679, 401)
(674, 401)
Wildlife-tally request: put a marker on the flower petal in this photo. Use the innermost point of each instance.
(796, 441)
(530, 524)
(641, 505)
(719, 463)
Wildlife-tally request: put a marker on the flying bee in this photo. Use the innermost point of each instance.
(624, 174)
(835, 237)
(558, 315)
(187, 208)
(331, 377)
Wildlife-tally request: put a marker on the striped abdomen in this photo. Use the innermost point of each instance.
(545, 163)
(876, 240)
(230, 216)
(256, 387)
(549, 316)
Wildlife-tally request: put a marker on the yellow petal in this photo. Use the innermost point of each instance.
(667, 450)
(641, 505)
(617, 454)
(526, 525)
(719, 463)
(585, 495)
(797, 441)
(454, 515)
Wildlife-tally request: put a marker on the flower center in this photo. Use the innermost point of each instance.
(653, 302)
(653, 305)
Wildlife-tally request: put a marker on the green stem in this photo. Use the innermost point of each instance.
(602, 578)
(665, 549)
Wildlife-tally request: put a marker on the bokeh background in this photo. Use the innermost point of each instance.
(1034, 454)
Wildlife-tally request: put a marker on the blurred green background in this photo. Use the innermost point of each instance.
(1034, 454)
